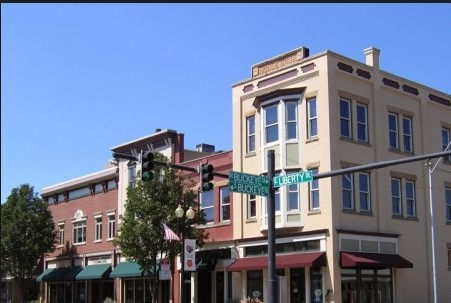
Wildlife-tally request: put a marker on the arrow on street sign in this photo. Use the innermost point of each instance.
(249, 184)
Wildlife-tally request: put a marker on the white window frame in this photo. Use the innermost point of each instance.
(350, 178)
(79, 229)
(111, 225)
(312, 118)
(446, 138)
(251, 204)
(293, 189)
(98, 228)
(362, 124)
(250, 134)
(61, 234)
(271, 125)
(346, 119)
(407, 134)
(209, 207)
(393, 132)
(225, 202)
(365, 192)
(314, 191)
(288, 103)
(396, 198)
(411, 211)
(448, 204)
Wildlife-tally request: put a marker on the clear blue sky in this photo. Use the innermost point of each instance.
(78, 79)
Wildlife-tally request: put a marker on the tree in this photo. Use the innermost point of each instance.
(27, 233)
(150, 204)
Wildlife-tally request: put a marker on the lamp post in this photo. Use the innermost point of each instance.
(189, 215)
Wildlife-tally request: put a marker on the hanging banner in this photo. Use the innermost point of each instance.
(189, 247)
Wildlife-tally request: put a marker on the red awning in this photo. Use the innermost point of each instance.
(369, 260)
(282, 261)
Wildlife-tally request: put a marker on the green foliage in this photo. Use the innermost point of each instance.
(148, 205)
(27, 233)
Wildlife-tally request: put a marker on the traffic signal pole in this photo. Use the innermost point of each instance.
(272, 286)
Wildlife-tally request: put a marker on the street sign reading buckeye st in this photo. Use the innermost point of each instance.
(303, 176)
(249, 184)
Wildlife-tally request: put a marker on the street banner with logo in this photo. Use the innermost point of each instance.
(165, 269)
(189, 247)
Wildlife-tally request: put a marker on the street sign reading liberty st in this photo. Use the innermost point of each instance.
(303, 176)
(248, 184)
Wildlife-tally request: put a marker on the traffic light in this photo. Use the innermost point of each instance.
(206, 175)
(147, 166)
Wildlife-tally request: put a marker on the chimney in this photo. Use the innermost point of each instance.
(205, 148)
(372, 57)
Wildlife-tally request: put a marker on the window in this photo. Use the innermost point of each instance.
(407, 134)
(79, 232)
(396, 196)
(403, 197)
(314, 192)
(207, 205)
(362, 122)
(345, 118)
(98, 229)
(400, 124)
(61, 234)
(291, 120)
(293, 197)
(361, 183)
(251, 206)
(225, 203)
(348, 198)
(111, 226)
(271, 124)
(393, 130)
(410, 199)
(312, 118)
(364, 192)
(250, 123)
(131, 173)
(448, 204)
(449, 255)
(446, 139)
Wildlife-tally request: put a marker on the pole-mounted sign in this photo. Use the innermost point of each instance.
(303, 176)
(249, 184)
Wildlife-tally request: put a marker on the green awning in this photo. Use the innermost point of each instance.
(56, 275)
(41, 277)
(70, 275)
(126, 270)
(98, 271)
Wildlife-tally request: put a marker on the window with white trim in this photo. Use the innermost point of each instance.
(271, 124)
(79, 232)
(293, 197)
(403, 197)
(312, 118)
(446, 139)
(250, 134)
(98, 229)
(131, 165)
(291, 120)
(225, 203)
(448, 204)
(345, 118)
(251, 206)
(207, 205)
(410, 199)
(314, 192)
(60, 233)
(400, 125)
(360, 183)
(396, 196)
(111, 226)
(362, 122)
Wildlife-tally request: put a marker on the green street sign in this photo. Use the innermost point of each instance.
(249, 184)
(303, 176)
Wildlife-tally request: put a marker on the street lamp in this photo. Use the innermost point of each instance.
(189, 215)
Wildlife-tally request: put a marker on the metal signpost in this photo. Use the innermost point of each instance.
(249, 184)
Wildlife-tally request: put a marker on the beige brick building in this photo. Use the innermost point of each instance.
(356, 237)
